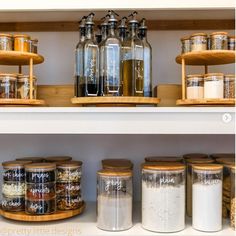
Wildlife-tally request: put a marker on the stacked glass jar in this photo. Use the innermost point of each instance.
(40, 188)
(69, 185)
(233, 202)
(13, 188)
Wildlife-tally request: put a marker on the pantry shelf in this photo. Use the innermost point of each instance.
(117, 120)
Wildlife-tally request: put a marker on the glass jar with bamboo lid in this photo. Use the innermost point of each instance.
(21, 42)
(8, 85)
(195, 86)
(231, 43)
(23, 87)
(195, 156)
(198, 42)
(219, 41)
(229, 86)
(6, 42)
(186, 44)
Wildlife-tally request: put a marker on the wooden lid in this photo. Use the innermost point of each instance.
(22, 77)
(219, 33)
(209, 167)
(6, 35)
(163, 166)
(195, 155)
(196, 75)
(12, 164)
(22, 36)
(199, 161)
(13, 76)
(33, 159)
(117, 164)
(223, 155)
(225, 160)
(185, 38)
(40, 166)
(69, 164)
(213, 74)
(163, 159)
(231, 76)
(58, 158)
(127, 173)
(198, 34)
(232, 37)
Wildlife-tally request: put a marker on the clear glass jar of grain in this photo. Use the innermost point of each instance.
(229, 86)
(198, 42)
(6, 42)
(23, 87)
(219, 41)
(195, 86)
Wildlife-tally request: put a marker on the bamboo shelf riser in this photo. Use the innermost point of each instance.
(206, 102)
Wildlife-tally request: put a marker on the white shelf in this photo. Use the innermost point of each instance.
(85, 225)
(137, 120)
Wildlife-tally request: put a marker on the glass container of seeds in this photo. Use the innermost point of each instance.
(229, 86)
(6, 42)
(195, 86)
(163, 197)
(207, 197)
(186, 44)
(232, 202)
(219, 41)
(8, 85)
(117, 164)
(58, 158)
(21, 42)
(198, 42)
(231, 43)
(114, 200)
(164, 159)
(23, 87)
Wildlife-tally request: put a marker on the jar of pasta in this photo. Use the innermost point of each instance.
(8, 86)
(23, 87)
(195, 86)
(219, 41)
(6, 42)
(21, 42)
(198, 42)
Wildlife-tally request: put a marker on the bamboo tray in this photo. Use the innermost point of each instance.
(59, 215)
(115, 101)
(206, 102)
(21, 102)
(207, 57)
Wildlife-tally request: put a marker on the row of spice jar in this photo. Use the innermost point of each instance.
(201, 42)
(17, 86)
(212, 85)
(18, 42)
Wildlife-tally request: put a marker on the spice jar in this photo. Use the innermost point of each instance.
(16, 203)
(58, 158)
(229, 86)
(189, 164)
(23, 87)
(114, 200)
(195, 86)
(232, 202)
(214, 85)
(186, 44)
(32, 159)
(40, 191)
(219, 41)
(6, 42)
(231, 43)
(8, 86)
(117, 164)
(164, 159)
(163, 197)
(33, 46)
(207, 197)
(198, 42)
(69, 202)
(21, 42)
(40, 207)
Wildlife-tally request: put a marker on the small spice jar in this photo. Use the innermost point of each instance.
(114, 200)
(214, 85)
(117, 164)
(229, 86)
(195, 86)
(13, 204)
(8, 86)
(231, 43)
(232, 202)
(23, 87)
(164, 159)
(6, 42)
(219, 41)
(207, 197)
(198, 42)
(69, 202)
(40, 207)
(21, 42)
(33, 46)
(32, 159)
(186, 44)
(58, 158)
(43, 191)
(163, 197)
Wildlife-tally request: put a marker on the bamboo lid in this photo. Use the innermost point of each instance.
(231, 76)
(195, 75)
(6, 35)
(195, 155)
(223, 155)
(58, 158)
(12, 164)
(13, 76)
(185, 38)
(213, 74)
(117, 164)
(40, 166)
(163, 159)
(69, 164)
(225, 160)
(232, 37)
(33, 159)
(163, 166)
(21, 78)
(103, 172)
(218, 33)
(209, 167)
(198, 34)
(199, 161)
(26, 36)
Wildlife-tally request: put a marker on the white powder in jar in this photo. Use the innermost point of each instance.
(163, 208)
(195, 92)
(214, 89)
(207, 206)
(114, 213)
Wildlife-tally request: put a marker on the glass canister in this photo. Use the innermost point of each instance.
(163, 197)
(40, 188)
(114, 200)
(214, 85)
(207, 197)
(189, 164)
(23, 87)
(219, 41)
(58, 158)
(186, 44)
(232, 202)
(6, 42)
(8, 86)
(21, 42)
(229, 86)
(195, 86)
(198, 42)
(164, 159)
(117, 164)
(13, 188)
(231, 43)
(33, 45)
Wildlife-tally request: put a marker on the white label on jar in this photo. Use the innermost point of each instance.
(166, 180)
(40, 176)
(195, 92)
(13, 175)
(40, 191)
(35, 206)
(11, 203)
(115, 184)
(72, 187)
(214, 89)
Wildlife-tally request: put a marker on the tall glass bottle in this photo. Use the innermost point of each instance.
(111, 58)
(132, 63)
(122, 29)
(147, 59)
(79, 55)
(89, 86)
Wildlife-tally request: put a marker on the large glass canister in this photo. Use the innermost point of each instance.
(114, 200)
(164, 159)
(163, 197)
(232, 202)
(207, 197)
(117, 164)
(133, 61)
(229, 86)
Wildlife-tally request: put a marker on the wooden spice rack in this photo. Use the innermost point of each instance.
(19, 59)
(204, 58)
(59, 215)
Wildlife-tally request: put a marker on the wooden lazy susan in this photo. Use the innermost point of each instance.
(206, 102)
(59, 215)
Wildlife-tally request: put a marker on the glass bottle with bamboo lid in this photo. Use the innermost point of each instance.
(229, 86)
(6, 42)
(164, 159)
(117, 164)
(22, 42)
(8, 85)
(232, 202)
(219, 41)
(114, 200)
(163, 197)
(198, 42)
(133, 61)
(195, 86)
(207, 197)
